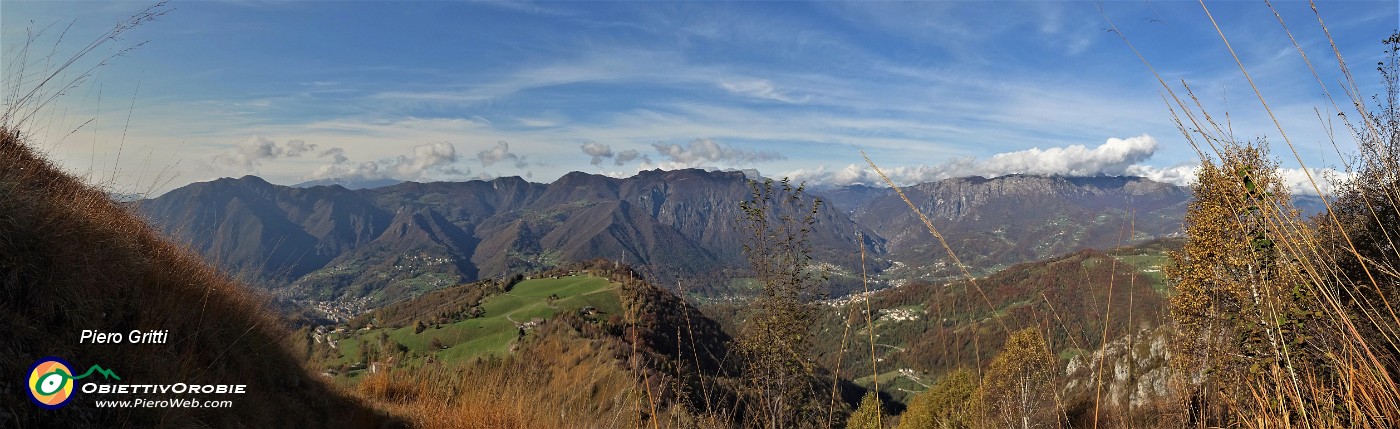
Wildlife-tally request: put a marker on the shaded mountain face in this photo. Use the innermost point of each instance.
(379, 245)
(263, 232)
(1006, 220)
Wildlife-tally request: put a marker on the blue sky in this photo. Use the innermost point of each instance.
(294, 91)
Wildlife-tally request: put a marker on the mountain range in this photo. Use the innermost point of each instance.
(681, 227)
(991, 223)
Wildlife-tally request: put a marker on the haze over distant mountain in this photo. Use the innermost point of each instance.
(681, 227)
(350, 183)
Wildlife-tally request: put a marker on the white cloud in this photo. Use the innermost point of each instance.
(368, 170)
(705, 152)
(628, 155)
(425, 161)
(1115, 157)
(498, 153)
(597, 151)
(1181, 175)
(428, 158)
(295, 148)
(248, 155)
(853, 174)
(1111, 158)
(1295, 179)
(337, 153)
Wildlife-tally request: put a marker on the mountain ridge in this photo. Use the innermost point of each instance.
(336, 243)
(993, 222)
(401, 240)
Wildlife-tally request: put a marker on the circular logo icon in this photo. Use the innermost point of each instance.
(51, 382)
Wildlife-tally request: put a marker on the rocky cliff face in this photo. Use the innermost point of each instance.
(1135, 376)
(1010, 219)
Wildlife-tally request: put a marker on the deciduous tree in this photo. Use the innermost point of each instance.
(946, 405)
(868, 415)
(1017, 390)
(1242, 308)
(774, 338)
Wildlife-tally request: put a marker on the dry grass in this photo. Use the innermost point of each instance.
(1342, 373)
(560, 377)
(71, 259)
(1326, 326)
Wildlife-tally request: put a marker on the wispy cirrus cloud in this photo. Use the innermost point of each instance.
(928, 86)
(761, 88)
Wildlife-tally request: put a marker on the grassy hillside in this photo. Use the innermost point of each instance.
(490, 326)
(71, 259)
(586, 345)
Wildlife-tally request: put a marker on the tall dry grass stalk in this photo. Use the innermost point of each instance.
(870, 327)
(71, 258)
(1311, 337)
(474, 397)
(1017, 388)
